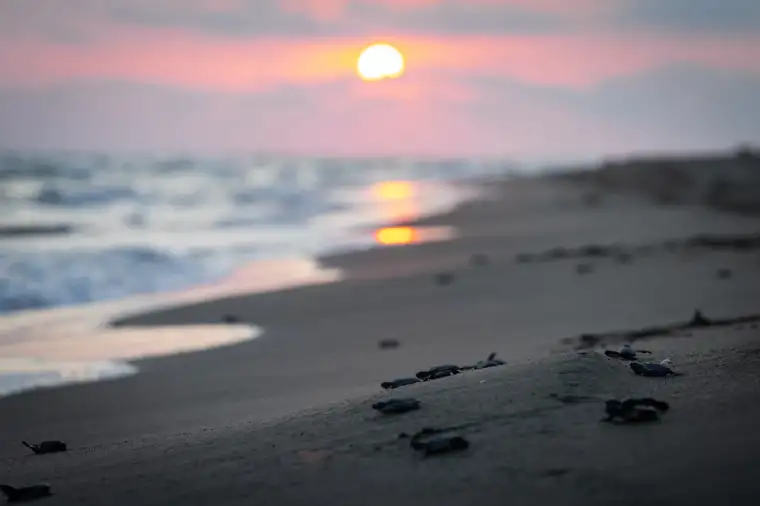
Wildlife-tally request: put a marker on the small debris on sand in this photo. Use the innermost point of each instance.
(230, 318)
(724, 273)
(401, 382)
(584, 268)
(397, 406)
(388, 344)
(24, 494)
(593, 199)
(644, 409)
(44, 447)
(479, 260)
(444, 278)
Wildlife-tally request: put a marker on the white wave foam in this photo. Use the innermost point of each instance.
(49, 347)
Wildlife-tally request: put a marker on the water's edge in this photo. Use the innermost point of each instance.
(38, 357)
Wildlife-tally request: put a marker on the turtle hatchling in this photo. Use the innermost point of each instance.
(46, 447)
(430, 441)
(652, 370)
(644, 409)
(437, 372)
(625, 353)
(23, 494)
(401, 382)
(397, 406)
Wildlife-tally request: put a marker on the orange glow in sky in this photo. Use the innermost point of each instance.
(538, 78)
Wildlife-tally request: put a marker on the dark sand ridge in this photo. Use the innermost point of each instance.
(726, 181)
(215, 410)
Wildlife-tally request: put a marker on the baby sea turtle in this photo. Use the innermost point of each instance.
(439, 371)
(625, 353)
(653, 370)
(643, 409)
(433, 441)
(46, 447)
(584, 268)
(23, 494)
(397, 406)
(401, 382)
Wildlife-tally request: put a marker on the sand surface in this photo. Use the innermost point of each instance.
(286, 418)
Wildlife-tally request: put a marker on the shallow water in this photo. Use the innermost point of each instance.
(88, 240)
(82, 228)
(48, 347)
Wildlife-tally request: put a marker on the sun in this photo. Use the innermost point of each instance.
(380, 61)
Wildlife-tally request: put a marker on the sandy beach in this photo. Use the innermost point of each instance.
(287, 419)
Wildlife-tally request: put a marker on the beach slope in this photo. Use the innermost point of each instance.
(287, 418)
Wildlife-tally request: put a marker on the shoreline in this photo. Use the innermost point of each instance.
(101, 319)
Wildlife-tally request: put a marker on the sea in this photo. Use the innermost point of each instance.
(85, 237)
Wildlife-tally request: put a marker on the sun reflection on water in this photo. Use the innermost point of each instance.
(399, 202)
(396, 235)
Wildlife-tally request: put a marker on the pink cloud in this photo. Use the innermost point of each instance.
(331, 9)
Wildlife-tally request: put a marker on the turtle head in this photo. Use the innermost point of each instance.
(7, 490)
(613, 406)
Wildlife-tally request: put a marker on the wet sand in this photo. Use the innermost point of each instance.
(287, 418)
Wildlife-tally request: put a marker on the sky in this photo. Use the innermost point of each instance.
(519, 78)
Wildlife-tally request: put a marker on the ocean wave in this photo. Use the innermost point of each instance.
(22, 229)
(131, 225)
(48, 279)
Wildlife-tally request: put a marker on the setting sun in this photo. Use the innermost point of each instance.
(380, 61)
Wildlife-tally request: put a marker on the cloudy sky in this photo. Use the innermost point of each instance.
(515, 77)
